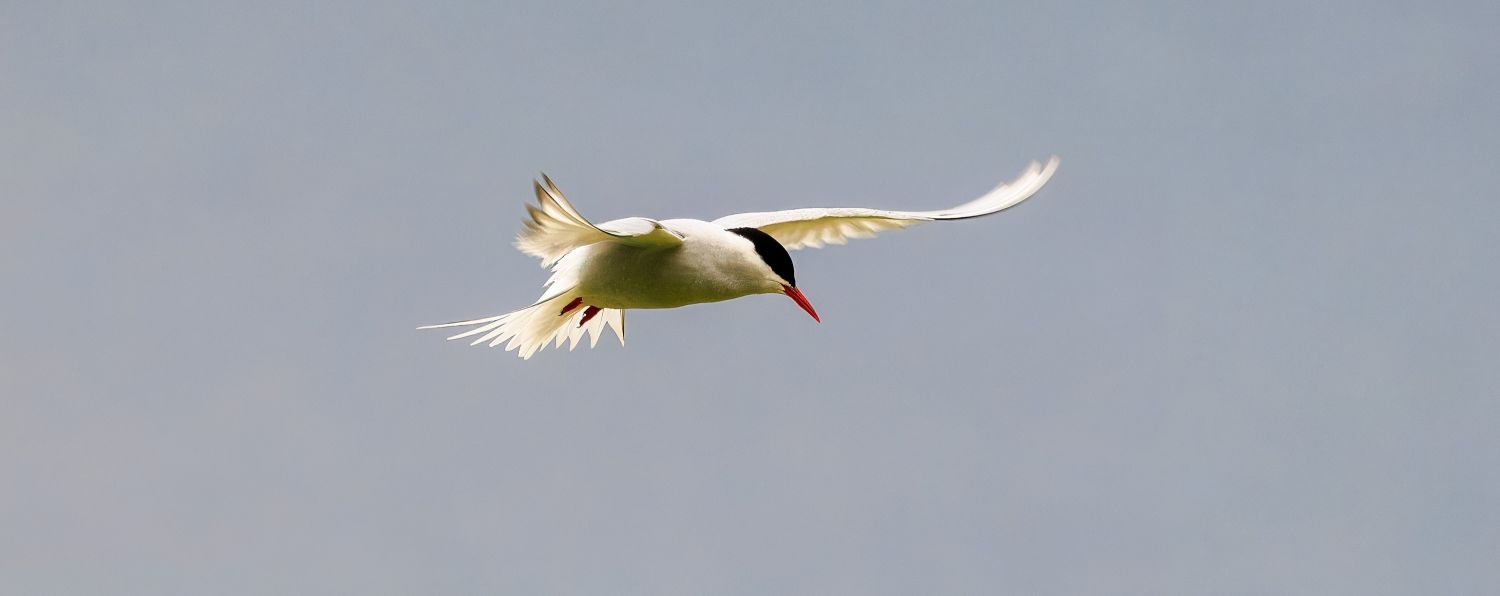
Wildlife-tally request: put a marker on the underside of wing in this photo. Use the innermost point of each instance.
(556, 228)
(816, 227)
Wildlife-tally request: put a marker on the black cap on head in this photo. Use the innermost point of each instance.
(770, 251)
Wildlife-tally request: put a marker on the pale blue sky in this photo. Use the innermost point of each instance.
(1244, 343)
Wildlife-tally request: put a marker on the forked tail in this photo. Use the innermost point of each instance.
(555, 319)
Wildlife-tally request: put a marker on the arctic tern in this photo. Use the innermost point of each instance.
(599, 270)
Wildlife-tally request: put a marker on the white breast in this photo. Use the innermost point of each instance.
(711, 265)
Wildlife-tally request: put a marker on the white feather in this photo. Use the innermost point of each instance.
(816, 227)
(556, 228)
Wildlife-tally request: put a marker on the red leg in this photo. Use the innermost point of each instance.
(588, 313)
(571, 305)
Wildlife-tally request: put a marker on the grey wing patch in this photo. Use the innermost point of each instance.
(641, 231)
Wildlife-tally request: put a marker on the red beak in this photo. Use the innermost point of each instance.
(796, 296)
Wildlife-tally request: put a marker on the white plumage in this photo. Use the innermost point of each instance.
(600, 270)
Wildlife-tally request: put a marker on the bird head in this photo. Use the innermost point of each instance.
(781, 274)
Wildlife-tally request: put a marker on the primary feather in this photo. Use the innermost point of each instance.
(556, 228)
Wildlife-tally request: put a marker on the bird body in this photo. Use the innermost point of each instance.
(598, 271)
(711, 265)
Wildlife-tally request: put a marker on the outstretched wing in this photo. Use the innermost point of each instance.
(557, 228)
(798, 228)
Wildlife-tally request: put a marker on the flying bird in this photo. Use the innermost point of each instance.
(599, 270)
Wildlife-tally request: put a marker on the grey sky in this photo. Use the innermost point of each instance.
(1244, 343)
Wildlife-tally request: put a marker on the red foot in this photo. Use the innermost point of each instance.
(588, 313)
(571, 305)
